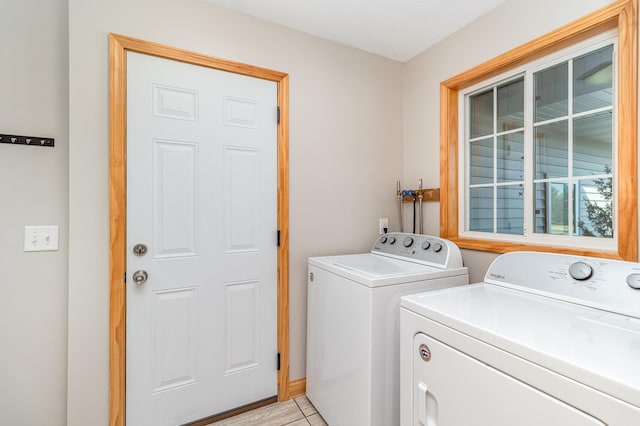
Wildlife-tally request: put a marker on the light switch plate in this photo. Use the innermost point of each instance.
(41, 238)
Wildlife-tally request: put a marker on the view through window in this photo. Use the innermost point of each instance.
(540, 147)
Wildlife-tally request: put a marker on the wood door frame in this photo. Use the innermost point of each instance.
(118, 47)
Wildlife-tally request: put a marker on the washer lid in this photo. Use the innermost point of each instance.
(594, 347)
(375, 270)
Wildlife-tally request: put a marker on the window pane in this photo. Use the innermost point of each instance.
(551, 92)
(481, 121)
(510, 157)
(592, 144)
(511, 106)
(510, 214)
(592, 80)
(551, 145)
(481, 158)
(594, 213)
(552, 214)
(481, 209)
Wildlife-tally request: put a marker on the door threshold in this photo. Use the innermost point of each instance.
(234, 412)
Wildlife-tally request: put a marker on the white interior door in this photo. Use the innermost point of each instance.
(202, 197)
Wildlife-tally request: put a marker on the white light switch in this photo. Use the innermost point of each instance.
(41, 238)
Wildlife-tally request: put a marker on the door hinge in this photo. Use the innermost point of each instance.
(278, 114)
(278, 361)
(124, 278)
(278, 238)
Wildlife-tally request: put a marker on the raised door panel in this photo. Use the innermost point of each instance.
(174, 337)
(175, 198)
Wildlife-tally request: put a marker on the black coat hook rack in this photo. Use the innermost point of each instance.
(26, 140)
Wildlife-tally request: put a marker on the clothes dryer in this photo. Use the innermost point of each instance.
(546, 339)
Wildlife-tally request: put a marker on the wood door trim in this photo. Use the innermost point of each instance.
(118, 47)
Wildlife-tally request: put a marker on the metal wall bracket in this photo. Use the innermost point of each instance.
(26, 140)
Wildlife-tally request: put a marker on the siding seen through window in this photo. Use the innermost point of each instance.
(560, 153)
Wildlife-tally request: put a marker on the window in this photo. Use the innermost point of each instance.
(533, 142)
(495, 152)
(546, 169)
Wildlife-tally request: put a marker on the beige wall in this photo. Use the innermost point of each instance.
(509, 25)
(33, 191)
(345, 156)
(350, 113)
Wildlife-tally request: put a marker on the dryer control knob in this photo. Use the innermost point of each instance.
(634, 281)
(407, 242)
(437, 247)
(383, 240)
(580, 271)
(392, 240)
(426, 245)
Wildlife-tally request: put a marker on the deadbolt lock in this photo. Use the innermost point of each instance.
(139, 250)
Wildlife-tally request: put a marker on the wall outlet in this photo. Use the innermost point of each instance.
(384, 225)
(41, 238)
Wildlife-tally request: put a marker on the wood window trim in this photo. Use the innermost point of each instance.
(621, 15)
(118, 48)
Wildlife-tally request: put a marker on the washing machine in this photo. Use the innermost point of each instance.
(546, 339)
(353, 323)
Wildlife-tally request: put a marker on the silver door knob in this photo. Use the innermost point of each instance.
(140, 277)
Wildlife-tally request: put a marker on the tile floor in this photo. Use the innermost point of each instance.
(295, 412)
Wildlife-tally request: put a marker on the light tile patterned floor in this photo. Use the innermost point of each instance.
(295, 412)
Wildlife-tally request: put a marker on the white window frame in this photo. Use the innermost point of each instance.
(528, 70)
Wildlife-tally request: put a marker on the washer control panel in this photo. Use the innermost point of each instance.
(419, 248)
(612, 285)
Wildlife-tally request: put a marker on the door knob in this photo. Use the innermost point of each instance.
(140, 277)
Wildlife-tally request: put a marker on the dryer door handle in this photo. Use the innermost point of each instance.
(427, 406)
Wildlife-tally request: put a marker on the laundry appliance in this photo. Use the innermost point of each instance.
(353, 323)
(546, 339)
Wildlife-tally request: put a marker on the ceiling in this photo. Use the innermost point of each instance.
(396, 29)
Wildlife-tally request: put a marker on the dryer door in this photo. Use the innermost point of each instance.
(453, 389)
